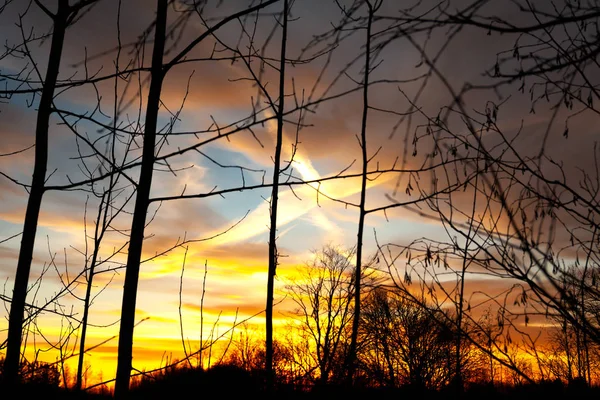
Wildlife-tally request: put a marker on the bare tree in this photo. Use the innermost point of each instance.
(273, 255)
(372, 9)
(404, 342)
(141, 204)
(528, 213)
(323, 296)
(64, 16)
(108, 211)
(158, 72)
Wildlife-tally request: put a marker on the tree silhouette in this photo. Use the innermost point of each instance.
(405, 343)
(64, 16)
(273, 255)
(324, 295)
(138, 222)
(358, 270)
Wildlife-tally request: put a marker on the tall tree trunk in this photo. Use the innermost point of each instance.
(351, 361)
(17, 307)
(274, 204)
(141, 206)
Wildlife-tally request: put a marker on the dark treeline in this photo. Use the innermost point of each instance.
(468, 126)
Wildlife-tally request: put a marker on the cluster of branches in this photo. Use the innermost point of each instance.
(506, 211)
(407, 339)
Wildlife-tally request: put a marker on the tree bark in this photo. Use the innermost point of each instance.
(17, 307)
(141, 207)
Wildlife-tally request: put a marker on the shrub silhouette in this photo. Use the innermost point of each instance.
(226, 380)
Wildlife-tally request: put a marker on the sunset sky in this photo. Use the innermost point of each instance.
(236, 261)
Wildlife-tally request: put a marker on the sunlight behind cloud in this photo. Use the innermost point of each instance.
(290, 207)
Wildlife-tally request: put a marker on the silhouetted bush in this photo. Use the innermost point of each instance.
(227, 380)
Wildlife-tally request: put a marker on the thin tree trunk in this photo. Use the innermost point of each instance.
(568, 351)
(458, 378)
(582, 290)
(362, 211)
(274, 205)
(457, 355)
(491, 366)
(141, 206)
(98, 235)
(17, 307)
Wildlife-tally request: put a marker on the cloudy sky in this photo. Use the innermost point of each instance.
(205, 93)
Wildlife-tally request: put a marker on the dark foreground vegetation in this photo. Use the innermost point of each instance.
(232, 382)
